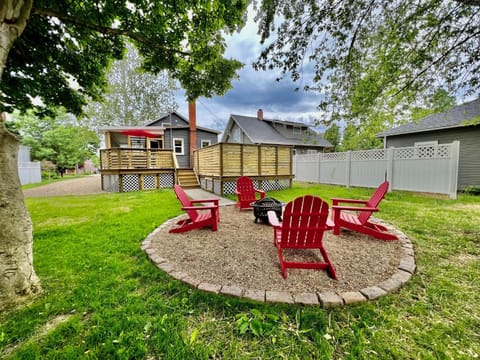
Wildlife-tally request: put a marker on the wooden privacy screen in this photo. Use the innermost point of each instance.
(230, 160)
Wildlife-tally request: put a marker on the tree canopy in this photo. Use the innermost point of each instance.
(363, 55)
(63, 53)
(56, 139)
(332, 135)
(133, 96)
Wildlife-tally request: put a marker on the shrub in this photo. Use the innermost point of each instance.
(472, 190)
(49, 175)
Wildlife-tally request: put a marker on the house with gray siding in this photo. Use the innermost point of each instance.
(173, 132)
(156, 155)
(461, 123)
(258, 130)
(176, 136)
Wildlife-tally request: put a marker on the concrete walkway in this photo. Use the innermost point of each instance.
(202, 194)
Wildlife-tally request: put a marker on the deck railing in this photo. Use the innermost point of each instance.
(233, 160)
(129, 159)
(219, 166)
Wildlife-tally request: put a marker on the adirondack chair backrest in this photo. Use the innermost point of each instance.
(185, 201)
(304, 221)
(373, 202)
(245, 189)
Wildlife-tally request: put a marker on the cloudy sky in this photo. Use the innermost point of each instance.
(254, 90)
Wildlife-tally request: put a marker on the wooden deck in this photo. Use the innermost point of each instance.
(127, 169)
(219, 166)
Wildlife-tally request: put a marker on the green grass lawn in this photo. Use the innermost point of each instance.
(103, 299)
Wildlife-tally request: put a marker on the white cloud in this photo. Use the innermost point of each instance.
(255, 90)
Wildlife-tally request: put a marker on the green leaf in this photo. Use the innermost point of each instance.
(193, 335)
(256, 327)
(244, 327)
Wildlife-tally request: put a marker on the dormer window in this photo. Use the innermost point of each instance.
(297, 130)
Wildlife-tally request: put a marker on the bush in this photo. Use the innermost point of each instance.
(472, 190)
(49, 175)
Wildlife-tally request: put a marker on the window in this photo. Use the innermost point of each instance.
(235, 134)
(297, 130)
(178, 146)
(156, 144)
(205, 143)
(137, 142)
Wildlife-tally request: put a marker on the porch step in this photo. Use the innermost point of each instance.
(187, 179)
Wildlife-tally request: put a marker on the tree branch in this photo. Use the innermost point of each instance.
(357, 29)
(470, 2)
(105, 29)
(442, 57)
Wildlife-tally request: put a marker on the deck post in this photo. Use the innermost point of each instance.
(242, 148)
(221, 171)
(120, 183)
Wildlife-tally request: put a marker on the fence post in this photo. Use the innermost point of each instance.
(455, 152)
(389, 174)
(319, 159)
(348, 164)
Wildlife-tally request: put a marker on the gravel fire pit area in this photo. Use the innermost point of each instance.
(240, 260)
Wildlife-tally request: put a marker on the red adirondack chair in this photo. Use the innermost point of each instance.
(246, 193)
(358, 220)
(303, 225)
(198, 216)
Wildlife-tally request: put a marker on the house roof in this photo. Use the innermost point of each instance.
(262, 132)
(164, 117)
(458, 116)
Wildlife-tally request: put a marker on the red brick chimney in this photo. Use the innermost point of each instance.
(260, 114)
(192, 118)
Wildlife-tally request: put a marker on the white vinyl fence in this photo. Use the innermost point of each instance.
(430, 168)
(29, 172)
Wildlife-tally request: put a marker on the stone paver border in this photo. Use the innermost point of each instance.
(326, 299)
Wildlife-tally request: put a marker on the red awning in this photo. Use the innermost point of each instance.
(138, 132)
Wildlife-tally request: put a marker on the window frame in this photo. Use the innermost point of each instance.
(182, 141)
(205, 141)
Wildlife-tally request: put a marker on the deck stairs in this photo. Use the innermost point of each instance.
(187, 179)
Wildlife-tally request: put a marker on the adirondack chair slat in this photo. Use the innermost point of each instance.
(303, 226)
(358, 221)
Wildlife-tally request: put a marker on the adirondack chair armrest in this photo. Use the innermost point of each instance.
(199, 201)
(330, 224)
(354, 208)
(261, 192)
(211, 207)
(273, 219)
(336, 201)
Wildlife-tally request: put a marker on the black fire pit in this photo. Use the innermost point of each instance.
(262, 206)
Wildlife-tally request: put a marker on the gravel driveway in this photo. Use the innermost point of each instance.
(81, 186)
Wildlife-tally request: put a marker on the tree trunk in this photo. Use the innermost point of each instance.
(17, 276)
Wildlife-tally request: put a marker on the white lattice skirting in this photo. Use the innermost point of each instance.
(135, 182)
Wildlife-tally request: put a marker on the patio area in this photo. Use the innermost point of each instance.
(241, 260)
